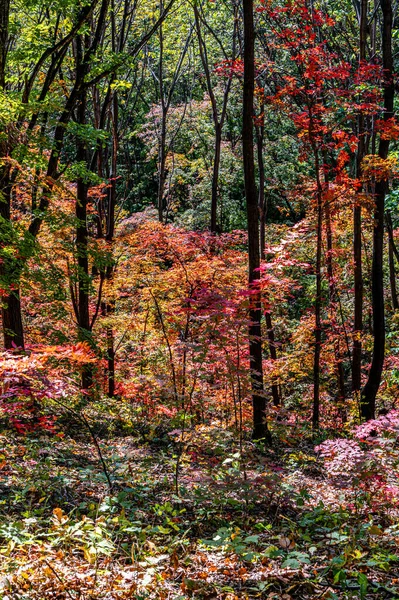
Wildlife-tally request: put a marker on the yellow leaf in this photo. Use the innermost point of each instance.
(90, 554)
(374, 530)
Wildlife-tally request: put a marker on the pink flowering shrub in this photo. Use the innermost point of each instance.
(386, 426)
(367, 467)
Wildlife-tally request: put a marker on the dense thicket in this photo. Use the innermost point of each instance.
(119, 108)
(198, 211)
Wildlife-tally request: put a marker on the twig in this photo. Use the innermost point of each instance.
(59, 579)
(83, 419)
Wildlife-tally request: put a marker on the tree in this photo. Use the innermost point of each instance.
(260, 429)
(218, 114)
(370, 389)
(19, 247)
(357, 222)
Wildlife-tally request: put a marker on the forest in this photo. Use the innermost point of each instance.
(199, 262)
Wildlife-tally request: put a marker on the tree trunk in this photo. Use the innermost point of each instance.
(82, 258)
(12, 321)
(392, 254)
(4, 17)
(162, 167)
(357, 226)
(262, 222)
(392, 276)
(369, 392)
(317, 330)
(395, 250)
(215, 176)
(260, 429)
(110, 305)
(332, 291)
(10, 268)
(261, 200)
(11, 307)
(218, 121)
(273, 356)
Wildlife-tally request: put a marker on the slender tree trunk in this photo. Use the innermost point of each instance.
(4, 17)
(273, 356)
(369, 392)
(11, 307)
(110, 305)
(357, 226)
(392, 254)
(318, 302)
(215, 176)
(162, 141)
(260, 134)
(392, 276)
(260, 128)
(332, 291)
(12, 321)
(10, 269)
(395, 250)
(218, 121)
(162, 167)
(82, 258)
(260, 429)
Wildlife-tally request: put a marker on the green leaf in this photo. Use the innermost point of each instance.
(363, 583)
(291, 563)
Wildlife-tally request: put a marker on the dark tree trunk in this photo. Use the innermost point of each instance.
(357, 226)
(4, 16)
(332, 290)
(11, 308)
(273, 355)
(318, 300)
(392, 275)
(12, 321)
(10, 269)
(369, 392)
(395, 250)
(110, 305)
(261, 167)
(260, 429)
(260, 128)
(82, 258)
(218, 121)
(215, 176)
(392, 254)
(162, 168)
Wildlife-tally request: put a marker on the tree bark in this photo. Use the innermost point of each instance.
(12, 321)
(332, 292)
(392, 276)
(370, 390)
(260, 129)
(218, 120)
(357, 226)
(11, 307)
(215, 176)
(260, 134)
(10, 268)
(4, 17)
(110, 304)
(260, 429)
(82, 237)
(318, 300)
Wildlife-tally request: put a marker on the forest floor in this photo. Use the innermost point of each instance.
(203, 517)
